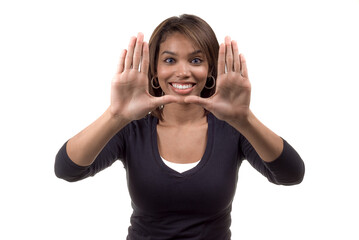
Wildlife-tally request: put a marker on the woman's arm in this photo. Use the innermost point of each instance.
(84, 147)
(231, 102)
(287, 169)
(267, 144)
(114, 149)
(232, 99)
(130, 100)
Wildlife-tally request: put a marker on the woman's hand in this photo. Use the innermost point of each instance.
(232, 97)
(130, 98)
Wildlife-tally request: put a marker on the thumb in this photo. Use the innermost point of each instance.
(203, 102)
(158, 101)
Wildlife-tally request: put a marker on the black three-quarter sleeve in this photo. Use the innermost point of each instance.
(66, 169)
(287, 169)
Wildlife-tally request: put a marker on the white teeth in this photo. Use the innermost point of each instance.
(182, 86)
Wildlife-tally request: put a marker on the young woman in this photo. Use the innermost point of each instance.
(180, 122)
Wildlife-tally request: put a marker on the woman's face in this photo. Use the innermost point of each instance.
(182, 68)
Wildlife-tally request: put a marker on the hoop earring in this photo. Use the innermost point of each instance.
(153, 85)
(213, 84)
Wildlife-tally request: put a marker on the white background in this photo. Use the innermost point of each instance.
(57, 59)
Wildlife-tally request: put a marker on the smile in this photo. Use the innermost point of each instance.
(182, 86)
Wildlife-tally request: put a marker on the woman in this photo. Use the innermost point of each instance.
(182, 158)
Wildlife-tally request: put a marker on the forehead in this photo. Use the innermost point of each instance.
(178, 43)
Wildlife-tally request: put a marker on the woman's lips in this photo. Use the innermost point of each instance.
(182, 88)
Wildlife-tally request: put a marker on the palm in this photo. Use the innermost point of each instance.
(232, 97)
(129, 94)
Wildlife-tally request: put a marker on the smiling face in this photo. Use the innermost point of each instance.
(182, 68)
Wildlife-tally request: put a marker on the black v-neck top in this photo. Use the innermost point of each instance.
(192, 205)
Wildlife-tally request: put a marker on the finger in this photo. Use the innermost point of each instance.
(145, 58)
(158, 101)
(129, 56)
(121, 64)
(138, 51)
(221, 59)
(236, 60)
(229, 54)
(203, 102)
(244, 70)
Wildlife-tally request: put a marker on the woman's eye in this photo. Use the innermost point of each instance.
(169, 60)
(196, 60)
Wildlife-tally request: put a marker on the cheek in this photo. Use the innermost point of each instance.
(163, 73)
(201, 74)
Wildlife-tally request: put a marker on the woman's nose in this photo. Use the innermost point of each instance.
(182, 70)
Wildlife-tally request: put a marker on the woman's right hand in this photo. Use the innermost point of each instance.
(130, 99)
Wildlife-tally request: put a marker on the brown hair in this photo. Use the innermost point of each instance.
(198, 31)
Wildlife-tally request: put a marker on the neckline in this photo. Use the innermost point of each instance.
(196, 168)
(184, 164)
(180, 167)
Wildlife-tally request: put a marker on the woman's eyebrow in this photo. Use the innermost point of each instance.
(172, 53)
(168, 52)
(195, 52)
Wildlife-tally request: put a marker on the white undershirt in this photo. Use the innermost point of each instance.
(180, 167)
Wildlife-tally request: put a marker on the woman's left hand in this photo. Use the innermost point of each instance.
(231, 100)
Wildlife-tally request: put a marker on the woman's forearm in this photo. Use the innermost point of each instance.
(84, 147)
(267, 144)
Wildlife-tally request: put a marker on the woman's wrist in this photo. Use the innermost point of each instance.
(243, 121)
(117, 121)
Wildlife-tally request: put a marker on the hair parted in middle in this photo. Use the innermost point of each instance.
(195, 29)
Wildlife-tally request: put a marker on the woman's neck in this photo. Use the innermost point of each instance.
(183, 114)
